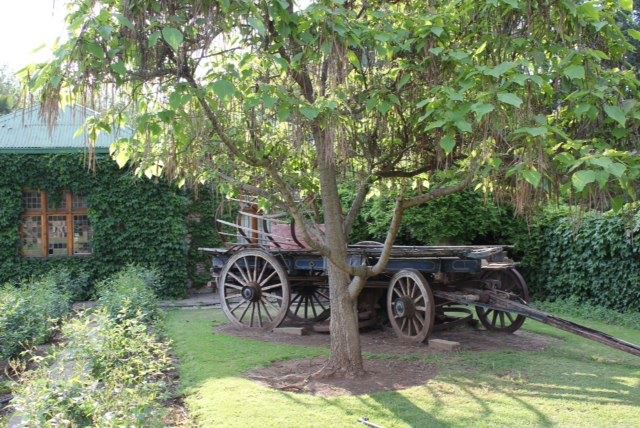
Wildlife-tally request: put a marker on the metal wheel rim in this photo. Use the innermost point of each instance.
(254, 290)
(502, 321)
(417, 323)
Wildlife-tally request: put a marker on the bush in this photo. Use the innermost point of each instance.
(107, 373)
(589, 257)
(462, 218)
(30, 311)
(129, 292)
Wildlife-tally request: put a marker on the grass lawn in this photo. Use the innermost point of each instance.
(572, 383)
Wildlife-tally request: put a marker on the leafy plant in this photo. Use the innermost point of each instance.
(30, 311)
(129, 294)
(590, 257)
(106, 373)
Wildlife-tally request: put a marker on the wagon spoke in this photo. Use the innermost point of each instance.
(415, 325)
(421, 308)
(419, 319)
(397, 291)
(272, 286)
(253, 311)
(510, 317)
(242, 273)
(494, 320)
(417, 299)
(264, 266)
(502, 319)
(404, 321)
(265, 281)
(306, 306)
(235, 287)
(244, 313)
(237, 279)
(319, 302)
(238, 305)
(259, 313)
(323, 295)
(299, 303)
(266, 310)
(246, 265)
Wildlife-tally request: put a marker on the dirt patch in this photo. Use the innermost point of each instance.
(384, 341)
(382, 375)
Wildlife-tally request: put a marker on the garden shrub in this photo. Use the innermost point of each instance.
(463, 218)
(30, 311)
(574, 308)
(129, 293)
(590, 257)
(108, 372)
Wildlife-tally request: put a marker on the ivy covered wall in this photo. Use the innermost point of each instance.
(587, 256)
(134, 220)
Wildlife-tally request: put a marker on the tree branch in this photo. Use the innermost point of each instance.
(356, 206)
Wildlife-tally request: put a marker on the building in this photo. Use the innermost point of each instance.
(56, 211)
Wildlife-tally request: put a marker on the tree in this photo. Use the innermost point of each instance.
(9, 91)
(522, 98)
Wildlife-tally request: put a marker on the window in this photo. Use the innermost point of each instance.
(55, 225)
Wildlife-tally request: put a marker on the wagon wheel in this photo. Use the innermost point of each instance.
(410, 305)
(254, 289)
(510, 282)
(309, 303)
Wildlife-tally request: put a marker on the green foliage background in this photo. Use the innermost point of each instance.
(135, 220)
(462, 218)
(586, 257)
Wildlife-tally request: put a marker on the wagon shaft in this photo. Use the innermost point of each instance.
(492, 300)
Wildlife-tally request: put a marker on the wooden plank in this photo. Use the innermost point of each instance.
(444, 345)
(294, 331)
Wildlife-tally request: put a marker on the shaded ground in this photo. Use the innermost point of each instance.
(384, 341)
(382, 375)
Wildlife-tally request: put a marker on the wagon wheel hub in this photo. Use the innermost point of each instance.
(405, 307)
(252, 292)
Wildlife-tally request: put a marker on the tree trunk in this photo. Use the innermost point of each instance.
(346, 355)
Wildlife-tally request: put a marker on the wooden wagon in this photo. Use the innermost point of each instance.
(268, 274)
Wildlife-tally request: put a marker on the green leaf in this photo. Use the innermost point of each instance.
(617, 169)
(405, 79)
(354, 60)
(309, 112)
(95, 50)
(463, 125)
(119, 68)
(634, 33)
(481, 109)
(436, 51)
(510, 98)
(173, 37)
(122, 157)
(447, 143)
(532, 176)
(437, 31)
(258, 25)
(616, 113)
(537, 131)
(500, 69)
(434, 125)
(574, 72)
(626, 5)
(583, 177)
(223, 88)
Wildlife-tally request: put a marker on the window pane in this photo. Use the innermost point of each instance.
(57, 235)
(80, 202)
(32, 236)
(57, 202)
(82, 235)
(31, 201)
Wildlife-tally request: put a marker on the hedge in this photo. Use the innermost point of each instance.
(588, 257)
(134, 220)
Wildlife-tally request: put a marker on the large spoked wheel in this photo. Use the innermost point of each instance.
(309, 303)
(513, 283)
(254, 290)
(410, 305)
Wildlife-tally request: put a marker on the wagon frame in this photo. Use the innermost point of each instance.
(268, 277)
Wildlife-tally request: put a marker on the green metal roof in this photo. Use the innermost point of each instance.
(26, 131)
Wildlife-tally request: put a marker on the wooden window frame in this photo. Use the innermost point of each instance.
(44, 212)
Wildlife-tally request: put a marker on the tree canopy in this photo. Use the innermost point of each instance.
(522, 98)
